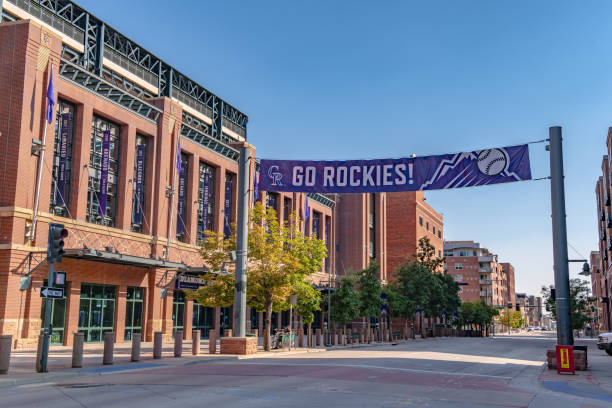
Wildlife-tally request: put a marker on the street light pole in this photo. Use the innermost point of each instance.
(242, 243)
(559, 230)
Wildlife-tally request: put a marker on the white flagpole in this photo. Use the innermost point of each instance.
(174, 177)
(41, 160)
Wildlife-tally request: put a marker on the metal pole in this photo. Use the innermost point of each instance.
(41, 160)
(329, 312)
(559, 230)
(290, 323)
(47, 324)
(242, 243)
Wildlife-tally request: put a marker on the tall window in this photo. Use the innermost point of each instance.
(98, 126)
(138, 183)
(372, 225)
(272, 202)
(287, 209)
(181, 196)
(206, 202)
(62, 159)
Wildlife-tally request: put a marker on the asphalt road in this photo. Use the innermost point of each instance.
(440, 372)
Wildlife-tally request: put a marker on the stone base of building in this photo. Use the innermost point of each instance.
(239, 345)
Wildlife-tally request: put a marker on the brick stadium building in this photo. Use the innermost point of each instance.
(385, 227)
(121, 264)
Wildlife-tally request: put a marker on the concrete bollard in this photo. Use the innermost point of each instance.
(318, 337)
(109, 344)
(301, 337)
(212, 341)
(195, 345)
(227, 333)
(39, 348)
(136, 338)
(178, 343)
(157, 345)
(6, 342)
(77, 350)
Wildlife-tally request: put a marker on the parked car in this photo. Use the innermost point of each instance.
(604, 342)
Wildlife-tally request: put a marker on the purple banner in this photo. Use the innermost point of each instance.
(468, 169)
(205, 202)
(60, 191)
(104, 173)
(227, 212)
(327, 242)
(139, 184)
(180, 212)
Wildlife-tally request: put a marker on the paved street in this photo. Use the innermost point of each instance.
(505, 371)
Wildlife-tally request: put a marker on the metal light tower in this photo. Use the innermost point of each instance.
(242, 243)
(559, 230)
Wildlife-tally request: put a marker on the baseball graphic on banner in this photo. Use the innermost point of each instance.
(492, 162)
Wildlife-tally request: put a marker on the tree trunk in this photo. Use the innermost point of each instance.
(310, 336)
(266, 341)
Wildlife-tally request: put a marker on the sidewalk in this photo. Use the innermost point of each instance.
(595, 383)
(22, 368)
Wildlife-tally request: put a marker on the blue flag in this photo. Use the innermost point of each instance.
(256, 187)
(306, 210)
(50, 98)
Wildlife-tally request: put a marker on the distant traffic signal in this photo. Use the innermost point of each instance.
(553, 294)
(55, 246)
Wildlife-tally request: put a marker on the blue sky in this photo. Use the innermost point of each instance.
(356, 79)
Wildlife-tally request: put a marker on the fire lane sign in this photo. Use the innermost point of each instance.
(51, 293)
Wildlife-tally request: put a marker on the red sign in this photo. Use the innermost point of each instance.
(565, 359)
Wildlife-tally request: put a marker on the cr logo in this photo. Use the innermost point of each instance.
(275, 175)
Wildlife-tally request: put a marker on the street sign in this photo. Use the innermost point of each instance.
(500, 307)
(51, 293)
(462, 283)
(565, 359)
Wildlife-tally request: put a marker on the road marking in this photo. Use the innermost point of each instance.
(409, 370)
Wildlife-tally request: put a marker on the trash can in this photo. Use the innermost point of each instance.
(5, 352)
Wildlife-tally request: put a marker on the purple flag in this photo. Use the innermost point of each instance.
(139, 184)
(180, 213)
(60, 191)
(50, 99)
(205, 202)
(256, 187)
(327, 242)
(178, 153)
(306, 210)
(102, 195)
(227, 229)
(467, 169)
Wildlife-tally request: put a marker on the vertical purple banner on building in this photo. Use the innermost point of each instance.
(205, 203)
(60, 191)
(104, 173)
(138, 184)
(327, 242)
(227, 212)
(180, 213)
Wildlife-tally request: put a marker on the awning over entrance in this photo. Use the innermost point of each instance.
(123, 259)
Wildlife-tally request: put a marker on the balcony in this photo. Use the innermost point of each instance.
(607, 199)
(485, 281)
(486, 269)
(602, 215)
(485, 293)
(602, 235)
(609, 221)
(489, 258)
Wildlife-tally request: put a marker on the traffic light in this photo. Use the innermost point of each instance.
(553, 294)
(55, 247)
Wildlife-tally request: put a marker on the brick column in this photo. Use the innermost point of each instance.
(80, 161)
(154, 305)
(187, 331)
(125, 189)
(217, 320)
(192, 197)
(73, 299)
(120, 313)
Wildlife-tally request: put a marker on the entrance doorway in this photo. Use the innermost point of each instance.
(96, 311)
(133, 312)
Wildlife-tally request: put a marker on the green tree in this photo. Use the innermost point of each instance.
(308, 302)
(345, 302)
(450, 295)
(280, 260)
(476, 315)
(370, 291)
(579, 302)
